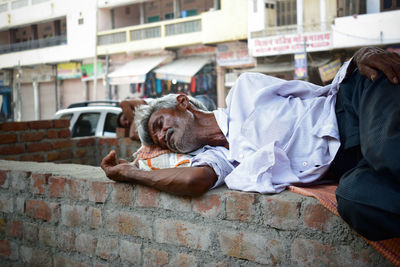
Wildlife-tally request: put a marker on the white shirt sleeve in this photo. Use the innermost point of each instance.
(216, 158)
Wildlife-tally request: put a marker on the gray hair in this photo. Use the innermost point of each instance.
(143, 114)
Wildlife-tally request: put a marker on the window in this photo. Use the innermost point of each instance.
(387, 5)
(153, 19)
(110, 124)
(67, 116)
(86, 124)
(286, 12)
(351, 7)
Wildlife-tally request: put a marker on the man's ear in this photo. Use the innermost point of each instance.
(182, 102)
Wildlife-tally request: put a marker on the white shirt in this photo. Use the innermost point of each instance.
(279, 132)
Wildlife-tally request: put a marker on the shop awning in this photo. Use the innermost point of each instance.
(135, 70)
(181, 70)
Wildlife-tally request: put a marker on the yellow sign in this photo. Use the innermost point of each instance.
(71, 70)
(328, 71)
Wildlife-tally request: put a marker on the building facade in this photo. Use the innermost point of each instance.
(310, 39)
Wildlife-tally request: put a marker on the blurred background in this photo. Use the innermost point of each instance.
(54, 52)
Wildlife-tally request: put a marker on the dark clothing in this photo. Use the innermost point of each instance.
(368, 161)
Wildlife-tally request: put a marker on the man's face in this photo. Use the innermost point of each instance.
(173, 129)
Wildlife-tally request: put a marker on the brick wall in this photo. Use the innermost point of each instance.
(49, 141)
(72, 215)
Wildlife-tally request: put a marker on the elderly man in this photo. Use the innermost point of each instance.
(274, 133)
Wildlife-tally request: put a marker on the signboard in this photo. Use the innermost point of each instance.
(290, 44)
(196, 50)
(70, 70)
(328, 71)
(88, 71)
(234, 54)
(300, 65)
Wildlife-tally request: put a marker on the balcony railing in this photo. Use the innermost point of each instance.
(152, 30)
(33, 44)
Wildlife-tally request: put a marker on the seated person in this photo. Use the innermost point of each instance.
(125, 118)
(275, 133)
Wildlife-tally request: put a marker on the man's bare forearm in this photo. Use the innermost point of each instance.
(190, 181)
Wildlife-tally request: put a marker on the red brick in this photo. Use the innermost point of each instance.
(86, 141)
(239, 206)
(74, 216)
(47, 236)
(172, 202)
(39, 209)
(80, 153)
(64, 133)
(32, 157)
(76, 189)
(53, 156)
(66, 154)
(130, 252)
(62, 261)
(281, 211)
(128, 224)
(38, 183)
(14, 126)
(107, 248)
(183, 260)
(5, 249)
(51, 134)
(32, 136)
(6, 203)
(86, 244)
(63, 144)
(57, 186)
(122, 194)
(39, 147)
(208, 205)
(108, 141)
(94, 215)
(98, 191)
(252, 246)
(147, 197)
(180, 233)
(66, 240)
(317, 217)
(15, 229)
(3, 226)
(36, 257)
(307, 252)
(20, 180)
(8, 138)
(153, 257)
(4, 182)
(43, 124)
(12, 150)
(62, 123)
(31, 232)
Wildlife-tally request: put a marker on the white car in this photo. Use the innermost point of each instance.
(91, 118)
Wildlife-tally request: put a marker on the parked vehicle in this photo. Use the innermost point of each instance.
(91, 118)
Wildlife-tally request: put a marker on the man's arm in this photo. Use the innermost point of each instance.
(128, 107)
(369, 60)
(190, 181)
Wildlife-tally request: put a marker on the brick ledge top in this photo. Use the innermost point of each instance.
(71, 170)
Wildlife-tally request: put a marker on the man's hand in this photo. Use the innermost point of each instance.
(188, 181)
(114, 169)
(371, 59)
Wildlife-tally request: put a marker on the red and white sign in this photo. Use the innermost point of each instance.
(290, 44)
(234, 54)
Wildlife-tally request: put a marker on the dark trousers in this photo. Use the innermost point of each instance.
(368, 161)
